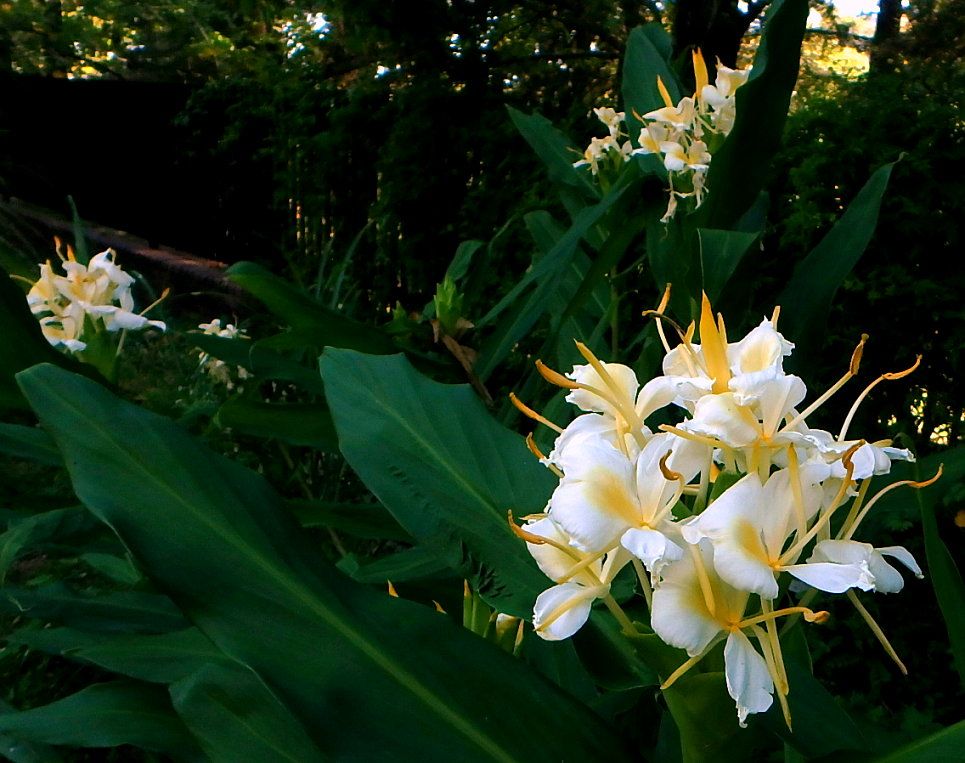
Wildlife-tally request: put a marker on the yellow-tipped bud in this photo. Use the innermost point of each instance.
(700, 72)
(664, 93)
(392, 592)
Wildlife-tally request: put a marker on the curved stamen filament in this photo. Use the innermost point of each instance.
(884, 377)
(534, 449)
(852, 370)
(849, 533)
(775, 666)
(809, 615)
(155, 303)
(876, 629)
(618, 401)
(530, 413)
(799, 512)
(580, 566)
(539, 540)
(645, 585)
(688, 664)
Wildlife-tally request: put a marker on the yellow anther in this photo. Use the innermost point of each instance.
(392, 592)
(668, 473)
(530, 413)
(856, 355)
(555, 377)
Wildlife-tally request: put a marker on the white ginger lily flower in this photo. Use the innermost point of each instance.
(582, 578)
(694, 609)
(749, 525)
(678, 158)
(611, 118)
(603, 493)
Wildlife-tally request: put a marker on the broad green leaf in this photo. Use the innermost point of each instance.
(362, 520)
(116, 568)
(18, 751)
(297, 308)
(807, 297)
(721, 251)
(120, 611)
(235, 717)
(741, 166)
(363, 672)
(38, 528)
(941, 747)
(707, 721)
(443, 467)
(268, 358)
(29, 443)
(107, 715)
(821, 726)
(163, 658)
(293, 423)
(645, 60)
(557, 152)
(418, 563)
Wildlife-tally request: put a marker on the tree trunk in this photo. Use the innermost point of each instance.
(887, 31)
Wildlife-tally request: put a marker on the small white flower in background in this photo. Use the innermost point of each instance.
(99, 291)
(215, 367)
(712, 558)
(601, 148)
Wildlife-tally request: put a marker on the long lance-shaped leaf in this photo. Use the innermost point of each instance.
(557, 153)
(363, 672)
(940, 747)
(300, 311)
(29, 443)
(235, 717)
(807, 297)
(107, 715)
(740, 168)
(546, 274)
(648, 49)
(442, 466)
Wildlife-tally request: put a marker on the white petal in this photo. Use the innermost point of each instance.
(719, 416)
(565, 607)
(748, 679)
(680, 616)
(904, 556)
(651, 547)
(833, 578)
(623, 377)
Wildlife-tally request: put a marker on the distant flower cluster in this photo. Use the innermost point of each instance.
(684, 134)
(91, 297)
(711, 513)
(214, 367)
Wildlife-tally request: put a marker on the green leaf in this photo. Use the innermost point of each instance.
(236, 717)
(721, 251)
(29, 443)
(106, 715)
(821, 726)
(112, 612)
(548, 274)
(462, 260)
(163, 658)
(268, 358)
(117, 568)
(941, 747)
(300, 311)
(38, 528)
(362, 520)
(363, 672)
(741, 166)
(707, 720)
(645, 60)
(293, 423)
(557, 152)
(807, 297)
(418, 563)
(18, 751)
(443, 467)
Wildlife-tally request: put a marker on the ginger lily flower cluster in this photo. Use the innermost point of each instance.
(96, 296)
(683, 135)
(714, 514)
